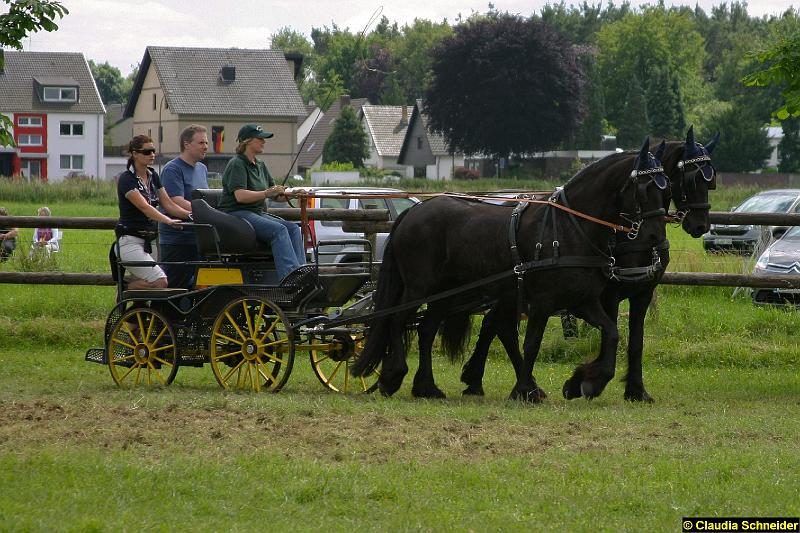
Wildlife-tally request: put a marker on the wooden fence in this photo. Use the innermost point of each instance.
(376, 220)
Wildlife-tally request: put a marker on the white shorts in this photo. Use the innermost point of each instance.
(132, 249)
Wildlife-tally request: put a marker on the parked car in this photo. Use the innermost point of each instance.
(781, 257)
(743, 238)
(323, 230)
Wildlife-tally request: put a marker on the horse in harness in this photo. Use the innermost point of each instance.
(560, 260)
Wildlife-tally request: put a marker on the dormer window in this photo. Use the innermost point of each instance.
(57, 90)
(60, 94)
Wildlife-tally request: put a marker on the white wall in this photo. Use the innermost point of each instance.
(89, 145)
(443, 169)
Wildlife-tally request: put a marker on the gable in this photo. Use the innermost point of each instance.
(221, 81)
(48, 82)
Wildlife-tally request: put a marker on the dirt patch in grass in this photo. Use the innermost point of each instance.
(223, 432)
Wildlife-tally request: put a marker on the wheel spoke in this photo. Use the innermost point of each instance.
(259, 318)
(167, 347)
(335, 371)
(272, 358)
(226, 355)
(141, 323)
(226, 338)
(268, 378)
(160, 334)
(138, 374)
(130, 331)
(269, 329)
(247, 318)
(322, 359)
(117, 341)
(163, 361)
(155, 371)
(149, 329)
(235, 326)
(131, 369)
(232, 370)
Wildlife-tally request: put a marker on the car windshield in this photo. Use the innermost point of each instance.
(767, 203)
(793, 234)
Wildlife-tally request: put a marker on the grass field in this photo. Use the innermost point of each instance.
(78, 454)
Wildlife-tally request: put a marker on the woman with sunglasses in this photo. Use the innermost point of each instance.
(140, 192)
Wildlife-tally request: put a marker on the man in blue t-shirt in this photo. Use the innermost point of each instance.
(179, 178)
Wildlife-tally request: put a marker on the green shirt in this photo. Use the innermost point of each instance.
(240, 173)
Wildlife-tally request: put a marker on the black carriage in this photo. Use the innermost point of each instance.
(239, 318)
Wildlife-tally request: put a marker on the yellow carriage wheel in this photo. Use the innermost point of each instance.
(331, 358)
(252, 346)
(141, 349)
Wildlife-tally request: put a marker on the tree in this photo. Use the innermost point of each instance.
(23, 18)
(289, 40)
(503, 84)
(413, 73)
(789, 147)
(593, 125)
(744, 146)
(347, 142)
(336, 52)
(781, 62)
(639, 43)
(634, 122)
(370, 76)
(109, 82)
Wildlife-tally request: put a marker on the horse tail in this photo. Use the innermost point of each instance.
(455, 332)
(387, 294)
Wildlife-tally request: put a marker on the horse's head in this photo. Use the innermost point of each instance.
(642, 197)
(691, 174)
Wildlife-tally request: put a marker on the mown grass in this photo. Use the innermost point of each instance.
(78, 454)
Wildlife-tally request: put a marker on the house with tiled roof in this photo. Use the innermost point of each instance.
(221, 89)
(57, 116)
(311, 150)
(427, 152)
(386, 127)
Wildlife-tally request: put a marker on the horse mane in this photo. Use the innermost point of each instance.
(598, 166)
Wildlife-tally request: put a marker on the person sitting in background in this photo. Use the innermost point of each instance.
(45, 239)
(8, 239)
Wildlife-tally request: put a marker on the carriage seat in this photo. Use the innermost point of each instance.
(236, 236)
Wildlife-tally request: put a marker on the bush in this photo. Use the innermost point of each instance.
(463, 173)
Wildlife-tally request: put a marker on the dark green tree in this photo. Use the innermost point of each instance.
(502, 84)
(289, 40)
(789, 147)
(744, 146)
(109, 82)
(680, 116)
(592, 127)
(347, 142)
(23, 18)
(660, 103)
(634, 124)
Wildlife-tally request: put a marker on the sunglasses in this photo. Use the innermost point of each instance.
(146, 151)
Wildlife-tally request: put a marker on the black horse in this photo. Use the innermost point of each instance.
(560, 255)
(688, 166)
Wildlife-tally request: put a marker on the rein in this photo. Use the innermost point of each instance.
(476, 196)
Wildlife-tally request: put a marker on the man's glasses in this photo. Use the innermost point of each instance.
(146, 151)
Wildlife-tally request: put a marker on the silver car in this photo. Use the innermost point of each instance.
(326, 230)
(782, 257)
(744, 238)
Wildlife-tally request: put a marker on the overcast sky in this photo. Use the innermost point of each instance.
(118, 31)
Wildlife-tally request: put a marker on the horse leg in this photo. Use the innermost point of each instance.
(395, 368)
(424, 384)
(634, 382)
(472, 373)
(526, 388)
(590, 379)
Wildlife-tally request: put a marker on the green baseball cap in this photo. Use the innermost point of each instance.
(253, 131)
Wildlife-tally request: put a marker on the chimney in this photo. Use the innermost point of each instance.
(227, 73)
(344, 100)
(404, 118)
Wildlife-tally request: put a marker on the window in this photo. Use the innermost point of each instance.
(333, 203)
(26, 139)
(29, 121)
(60, 94)
(72, 129)
(419, 143)
(400, 205)
(154, 102)
(72, 162)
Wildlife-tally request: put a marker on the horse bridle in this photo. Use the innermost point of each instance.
(658, 178)
(688, 180)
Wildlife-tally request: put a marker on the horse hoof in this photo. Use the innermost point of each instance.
(572, 389)
(639, 396)
(587, 390)
(530, 396)
(433, 393)
(473, 390)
